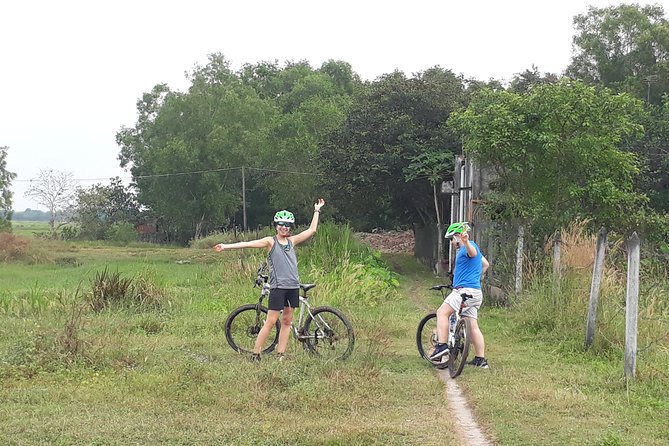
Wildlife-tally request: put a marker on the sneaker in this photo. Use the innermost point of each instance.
(281, 357)
(481, 363)
(439, 351)
(255, 357)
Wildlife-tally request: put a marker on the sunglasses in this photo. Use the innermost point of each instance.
(283, 223)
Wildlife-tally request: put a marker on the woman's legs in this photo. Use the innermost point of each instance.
(284, 334)
(272, 317)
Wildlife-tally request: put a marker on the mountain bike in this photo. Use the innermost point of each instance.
(323, 331)
(459, 337)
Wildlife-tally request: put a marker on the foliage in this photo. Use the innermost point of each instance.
(6, 178)
(624, 47)
(555, 153)
(13, 247)
(100, 207)
(54, 190)
(524, 82)
(122, 232)
(393, 123)
(265, 118)
(109, 290)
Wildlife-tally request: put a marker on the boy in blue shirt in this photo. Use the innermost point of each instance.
(470, 265)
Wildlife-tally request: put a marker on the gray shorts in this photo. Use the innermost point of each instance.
(472, 304)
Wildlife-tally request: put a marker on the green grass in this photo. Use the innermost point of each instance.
(167, 376)
(29, 228)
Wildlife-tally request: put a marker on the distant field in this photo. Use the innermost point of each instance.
(29, 228)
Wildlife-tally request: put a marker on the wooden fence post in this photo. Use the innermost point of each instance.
(632, 304)
(597, 273)
(519, 259)
(557, 268)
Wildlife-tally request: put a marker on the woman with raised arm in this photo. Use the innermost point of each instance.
(284, 279)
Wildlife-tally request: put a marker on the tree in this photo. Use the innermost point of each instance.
(99, 207)
(433, 166)
(556, 153)
(187, 150)
(54, 190)
(524, 82)
(6, 178)
(392, 122)
(625, 48)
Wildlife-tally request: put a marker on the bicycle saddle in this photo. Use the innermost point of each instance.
(307, 286)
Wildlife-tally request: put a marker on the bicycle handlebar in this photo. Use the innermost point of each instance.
(260, 277)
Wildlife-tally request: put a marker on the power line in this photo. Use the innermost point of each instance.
(195, 172)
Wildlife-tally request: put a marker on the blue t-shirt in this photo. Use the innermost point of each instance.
(467, 272)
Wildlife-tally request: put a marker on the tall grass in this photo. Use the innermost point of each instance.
(557, 307)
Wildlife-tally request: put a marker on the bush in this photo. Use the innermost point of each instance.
(110, 290)
(13, 247)
(69, 232)
(123, 233)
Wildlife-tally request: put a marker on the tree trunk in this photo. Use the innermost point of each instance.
(440, 241)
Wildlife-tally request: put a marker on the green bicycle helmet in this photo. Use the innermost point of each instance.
(457, 228)
(284, 217)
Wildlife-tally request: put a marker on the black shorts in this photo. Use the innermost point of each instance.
(281, 297)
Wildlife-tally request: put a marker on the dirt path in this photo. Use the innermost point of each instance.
(468, 429)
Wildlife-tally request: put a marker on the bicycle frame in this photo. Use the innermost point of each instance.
(305, 308)
(456, 316)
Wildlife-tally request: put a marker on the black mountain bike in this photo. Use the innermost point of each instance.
(323, 331)
(459, 337)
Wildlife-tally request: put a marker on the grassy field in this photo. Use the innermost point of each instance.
(167, 376)
(131, 375)
(29, 228)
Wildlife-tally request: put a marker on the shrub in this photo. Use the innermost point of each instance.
(110, 290)
(123, 233)
(13, 247)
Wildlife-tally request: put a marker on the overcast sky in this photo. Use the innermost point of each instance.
(72, 71)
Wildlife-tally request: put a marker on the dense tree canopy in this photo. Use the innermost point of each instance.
(623, 47)
(393, 122)
(626, 48)
(556, 153)
(378, 150)
(186, 150)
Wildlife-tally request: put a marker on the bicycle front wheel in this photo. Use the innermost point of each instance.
(244, 324)
(329, 334)
(426, 340)
(460, 348)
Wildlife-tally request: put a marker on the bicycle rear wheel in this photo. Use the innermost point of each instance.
(329, 334)
(244, 324)
(426, 340)
(460, 349)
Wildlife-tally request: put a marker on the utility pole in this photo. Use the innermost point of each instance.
(649, 79)
(244, 196)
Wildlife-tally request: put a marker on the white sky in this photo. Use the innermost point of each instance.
(72, 71)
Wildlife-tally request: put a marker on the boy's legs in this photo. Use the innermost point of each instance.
(443, 315)
(477, 338)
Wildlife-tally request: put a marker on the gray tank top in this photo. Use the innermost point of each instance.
(282, 263)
